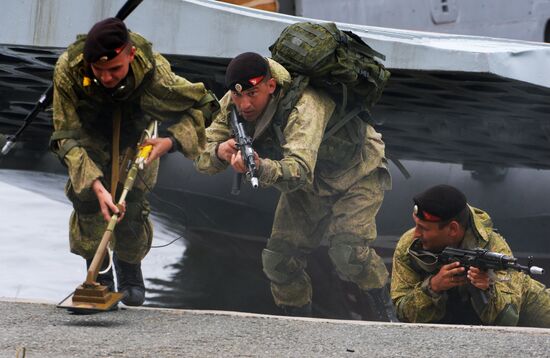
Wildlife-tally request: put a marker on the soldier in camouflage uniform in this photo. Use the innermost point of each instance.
(112, 75)
(424, 291)
(330, 189)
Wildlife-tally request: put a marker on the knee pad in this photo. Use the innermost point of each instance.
(341, 256)
(278, 267)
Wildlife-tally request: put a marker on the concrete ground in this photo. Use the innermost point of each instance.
(43, 330)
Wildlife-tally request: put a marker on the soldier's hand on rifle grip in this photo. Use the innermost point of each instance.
(478, 278)
(227, 149)
(161, 146)
(449, 276)
(237, 162)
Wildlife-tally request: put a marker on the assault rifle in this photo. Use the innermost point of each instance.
(486, 260)
(46, 98)
(244, 143)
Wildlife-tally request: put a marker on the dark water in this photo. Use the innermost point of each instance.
(202, 270)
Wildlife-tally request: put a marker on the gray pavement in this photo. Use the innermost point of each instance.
(45, 331)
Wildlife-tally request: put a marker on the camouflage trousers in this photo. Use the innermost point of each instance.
(346, 220)
(132, 237)
(535, 305)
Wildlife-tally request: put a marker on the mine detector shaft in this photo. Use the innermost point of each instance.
(91, 295)
(136, 166)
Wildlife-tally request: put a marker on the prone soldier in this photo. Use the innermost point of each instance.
(426, 290)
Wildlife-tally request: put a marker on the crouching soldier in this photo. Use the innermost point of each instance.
(330, 189)
(108, 86)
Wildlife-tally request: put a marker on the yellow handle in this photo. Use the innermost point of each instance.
(144, 151)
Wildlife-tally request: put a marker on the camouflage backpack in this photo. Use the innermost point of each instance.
(339, 62)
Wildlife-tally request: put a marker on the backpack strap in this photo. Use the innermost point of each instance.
(72, 140)
(360, 46)
(287, 103)
(342, 122)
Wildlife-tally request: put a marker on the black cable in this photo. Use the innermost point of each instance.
(180, 209)
(168, 244)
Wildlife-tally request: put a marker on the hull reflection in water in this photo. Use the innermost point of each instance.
(219, 272)
(218, 265)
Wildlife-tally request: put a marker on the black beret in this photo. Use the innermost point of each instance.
(439, 203)
(245, 71)
(105, 40)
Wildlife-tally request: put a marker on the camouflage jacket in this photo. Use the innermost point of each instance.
(415, 303)
(301, 160)
(83, 113)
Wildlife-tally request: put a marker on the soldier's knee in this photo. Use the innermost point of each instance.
(509, 316)
(342, 256)
(279, 267)
(359, 264)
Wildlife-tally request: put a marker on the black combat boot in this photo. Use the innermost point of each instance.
(380, 304)
(303, 311)
(130, 282)
(105, 279)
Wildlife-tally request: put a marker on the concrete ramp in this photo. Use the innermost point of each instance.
(45, 331)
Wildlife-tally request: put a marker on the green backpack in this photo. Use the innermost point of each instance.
(339, 62)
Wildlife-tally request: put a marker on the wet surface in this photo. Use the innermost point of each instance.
(35, 261)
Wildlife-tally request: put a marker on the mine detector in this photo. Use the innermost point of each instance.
(90, 295)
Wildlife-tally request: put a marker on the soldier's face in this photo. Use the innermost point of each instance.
(433, 237)
(111, 72)
(252, 102)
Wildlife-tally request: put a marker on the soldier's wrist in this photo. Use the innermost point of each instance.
(216, 149)
(428, 289)
(175, 144)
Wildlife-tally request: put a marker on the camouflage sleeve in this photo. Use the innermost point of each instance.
(82, 170)
(218, 132)
(303, 134)
(175, 101)
(413, 301)
(505, 293)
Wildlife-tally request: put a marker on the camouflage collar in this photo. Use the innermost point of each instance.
(267, 116)
(481, 225)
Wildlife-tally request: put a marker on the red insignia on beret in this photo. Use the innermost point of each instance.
(430, 217)
(254, 81)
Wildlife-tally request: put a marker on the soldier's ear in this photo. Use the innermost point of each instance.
(271, 85)
(132, 53)
(455, 230)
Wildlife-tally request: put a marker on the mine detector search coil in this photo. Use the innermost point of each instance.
(244, 143)
(46, 98)
(91, 296)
